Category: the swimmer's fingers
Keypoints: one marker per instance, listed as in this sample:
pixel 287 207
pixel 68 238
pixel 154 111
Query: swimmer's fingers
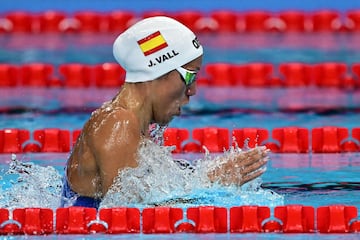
pixel 244 167
pixel 256 166
pixel 253 155
pixel 240 175
pixel 258 151
pixel 252 176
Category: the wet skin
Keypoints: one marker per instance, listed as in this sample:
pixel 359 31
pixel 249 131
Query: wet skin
pixel 110 138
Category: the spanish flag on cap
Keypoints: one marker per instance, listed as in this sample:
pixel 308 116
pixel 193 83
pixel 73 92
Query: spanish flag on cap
pixel 152 43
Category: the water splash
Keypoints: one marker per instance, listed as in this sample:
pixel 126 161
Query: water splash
pixel 156 133
pixel 158 180
pixel 32 185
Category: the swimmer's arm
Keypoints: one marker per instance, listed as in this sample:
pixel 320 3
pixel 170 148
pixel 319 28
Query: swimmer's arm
pixel 244 167
pixel 116 144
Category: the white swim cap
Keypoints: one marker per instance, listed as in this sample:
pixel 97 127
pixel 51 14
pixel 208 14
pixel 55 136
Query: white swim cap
pixel 155 46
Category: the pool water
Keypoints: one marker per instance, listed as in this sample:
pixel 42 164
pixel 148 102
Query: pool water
pixel 309 179
pixel 236 48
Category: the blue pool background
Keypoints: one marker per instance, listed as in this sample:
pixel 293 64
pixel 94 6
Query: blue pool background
pixel 141 5
pixel 233 107
pixel 310 179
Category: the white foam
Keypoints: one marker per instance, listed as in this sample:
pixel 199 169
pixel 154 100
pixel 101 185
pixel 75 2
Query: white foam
pixel 158 180
pixel 34 186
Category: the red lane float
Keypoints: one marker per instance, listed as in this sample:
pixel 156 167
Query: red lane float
pixel 19 22
pixel 160 220
pixel 41 140
pixel 258 74
pixel 337 219
pixel 353 20
pixel 212 138
pixel 249 137
pixel 89 22
pixel 218 21
pixel 255 74
pixel 292 139
pixel 80 220
pixel 53 140
pixel 75 74
pixel 36 74
pixel 335 139
pixel 9 74
pixel 219 74
pixel 284 140
pixel 201 219
pixel 326 21
pixel 295 74
pixel 287 74
pixel 256 21
pixel 175 137
pixel 11 140
pixel 121 220
pixel 120 20
pixel 77 220
pixel 246 219
pixel 225 21
pixel 31 221
pixel 51 21
pixel 292 21
pixel 208 219
pixel 109 75
pixel 49 140
pixel 330 74
pixel 296 218
pixel 192 19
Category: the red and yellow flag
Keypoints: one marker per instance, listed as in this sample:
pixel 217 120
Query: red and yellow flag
pixel 152 43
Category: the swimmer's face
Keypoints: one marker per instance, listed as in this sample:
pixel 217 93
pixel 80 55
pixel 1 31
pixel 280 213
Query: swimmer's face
pixel 173 94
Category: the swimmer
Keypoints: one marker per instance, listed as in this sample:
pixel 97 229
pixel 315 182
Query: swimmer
pixel 161 58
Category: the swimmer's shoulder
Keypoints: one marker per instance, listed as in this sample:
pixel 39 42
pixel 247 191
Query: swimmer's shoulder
pixel 103 121
pixel 108 113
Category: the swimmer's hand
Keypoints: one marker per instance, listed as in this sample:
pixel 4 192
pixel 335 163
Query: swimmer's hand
pixel 241 168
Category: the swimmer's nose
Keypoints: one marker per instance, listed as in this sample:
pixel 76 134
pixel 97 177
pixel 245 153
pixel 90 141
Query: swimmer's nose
pixel 191 90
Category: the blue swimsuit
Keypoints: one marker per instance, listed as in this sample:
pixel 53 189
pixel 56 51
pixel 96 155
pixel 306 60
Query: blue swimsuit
pixel 71 198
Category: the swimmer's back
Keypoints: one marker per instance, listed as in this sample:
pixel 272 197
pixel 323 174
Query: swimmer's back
pixel 82 167
pixel 103 147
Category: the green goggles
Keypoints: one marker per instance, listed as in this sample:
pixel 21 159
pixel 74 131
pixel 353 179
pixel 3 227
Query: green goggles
pixel 187 76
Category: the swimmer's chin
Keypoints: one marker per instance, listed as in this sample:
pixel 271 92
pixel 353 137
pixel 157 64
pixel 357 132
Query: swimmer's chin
pixel 178 114
pixel 170 118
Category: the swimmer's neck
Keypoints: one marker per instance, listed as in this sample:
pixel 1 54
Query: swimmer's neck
pixel 135 97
